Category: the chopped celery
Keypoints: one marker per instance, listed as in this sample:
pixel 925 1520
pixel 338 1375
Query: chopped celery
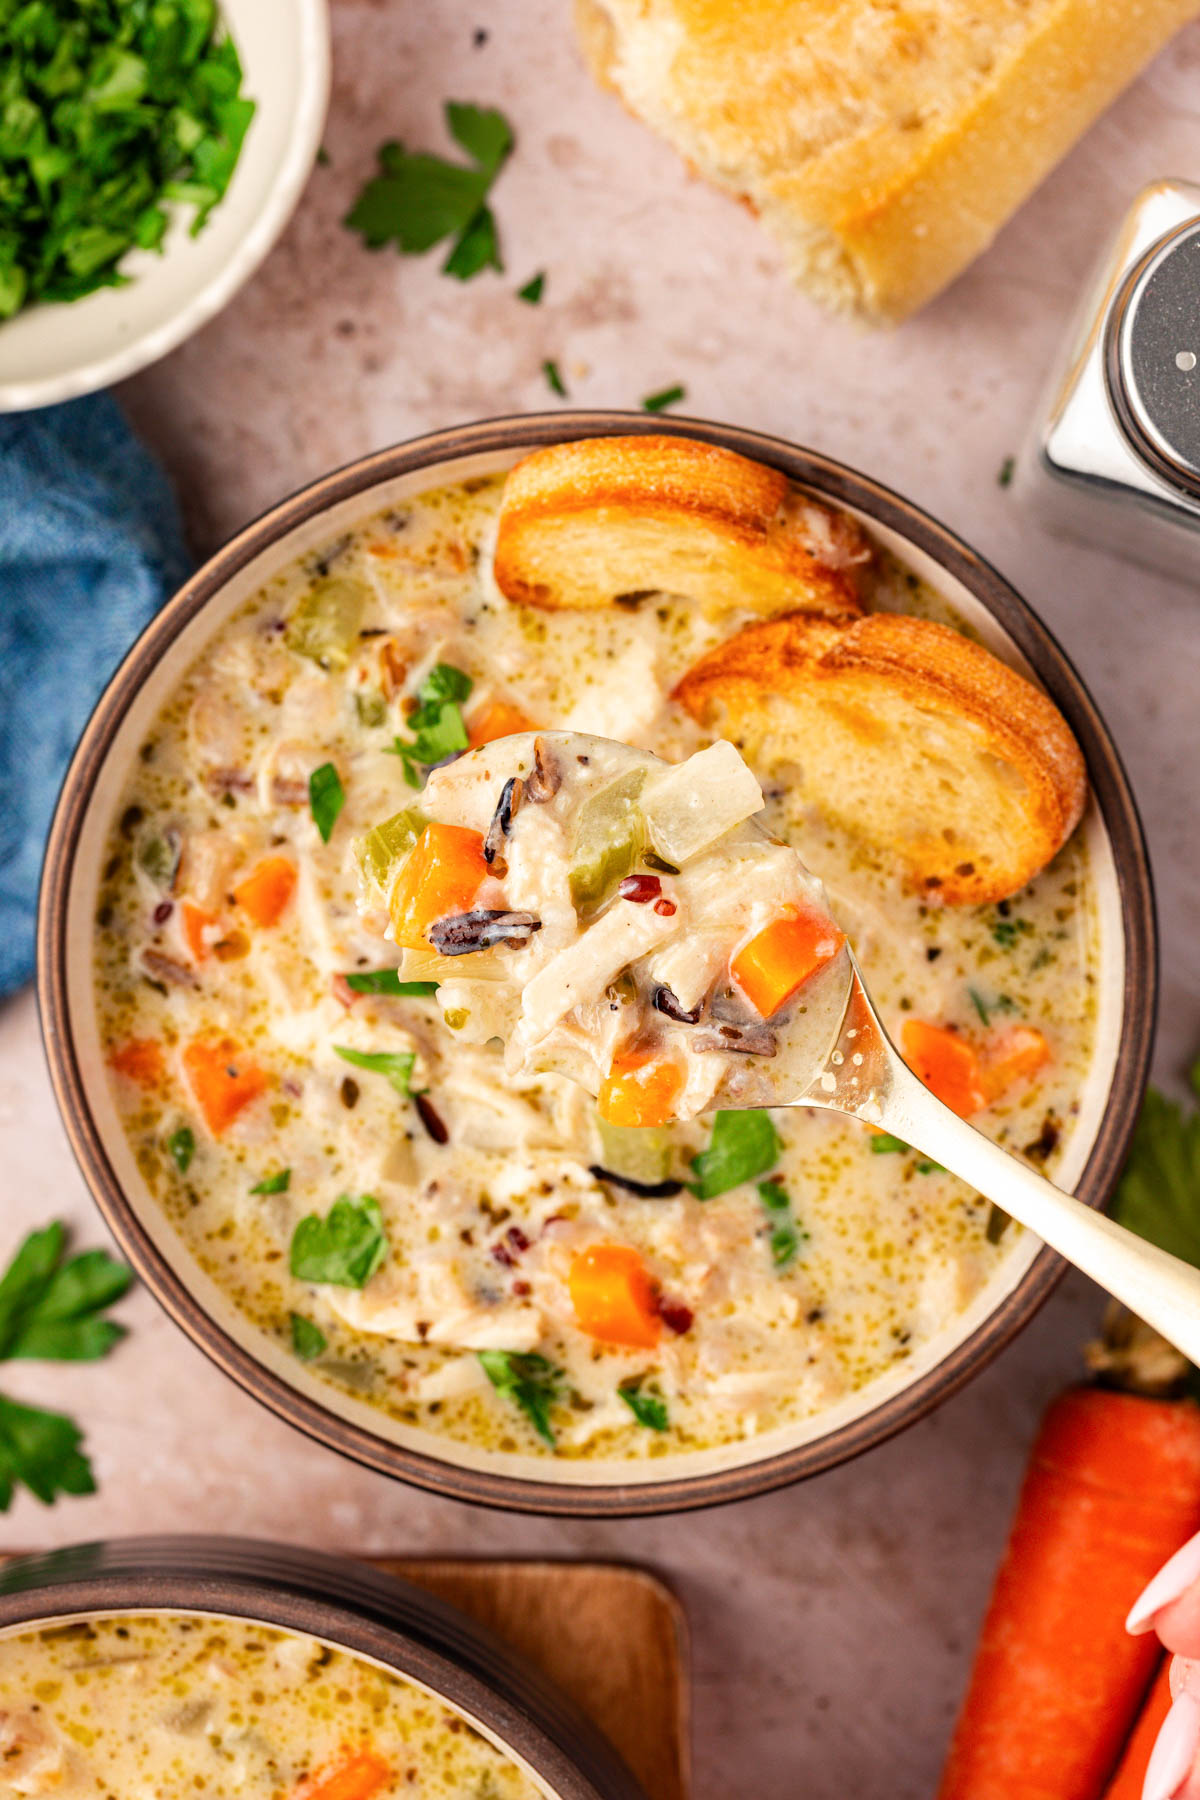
pixel 326 623
pixel 379 850
pixel 158 857
pixel 639 1152
pixel 610 833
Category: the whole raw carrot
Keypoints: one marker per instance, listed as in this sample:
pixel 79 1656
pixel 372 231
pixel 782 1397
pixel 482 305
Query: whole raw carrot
pixel 1113 1488
pixel 1126 1784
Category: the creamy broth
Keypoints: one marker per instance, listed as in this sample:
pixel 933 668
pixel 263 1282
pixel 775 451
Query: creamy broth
pixel 167 1704
pixel 487 1185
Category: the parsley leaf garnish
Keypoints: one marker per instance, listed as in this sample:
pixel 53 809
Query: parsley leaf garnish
pixel 743 1144
pixel 787 1236
pixel 326 798
pixel 345 1247
pixel 387 981
pixel 1006 931
pixel 182 1147
pixel 528 1380
pixel 649 1410
pixel 308 1340
pixel 1158 1195
pixel 436 722
pixel 531 293
pixel 49 1309
pixel 274 1184
pixel 554 380
pixel 671 396
pixel 418 199
pixel 107 111
pixel 884 1144
pixel 397 1065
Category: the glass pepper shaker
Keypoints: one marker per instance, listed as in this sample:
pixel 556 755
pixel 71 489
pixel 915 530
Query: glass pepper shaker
pixel 1115 454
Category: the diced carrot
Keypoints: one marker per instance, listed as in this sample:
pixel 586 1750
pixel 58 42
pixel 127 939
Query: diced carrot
pixel 222 1081
pixel 498 720
pixel 442 875
pixel 947 1063
pixel 640 1089
pixel 1130 1775
pixel 783 955
pixel 1013 1056
pixel 196 921
pixel 267 889
pixel 614 1297
pixel 1113 1488
pixel 141 1059
pixel 357 1775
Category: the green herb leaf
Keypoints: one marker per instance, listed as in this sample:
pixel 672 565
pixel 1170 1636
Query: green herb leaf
pixel 418 200
pixel 387 981
pixel 106 111
pixel 326 798
pixel 884 1144
pixel 554 380
pixel 528 1380
pixel 278 1183
pixel 182 1147
pixel 1005 932
pixel 649 1410
pixel 49 1307
pixel 743 1145
pixel 787 1236
pixel 308 1340
pixel 1008 469
pixel 1158 1195
pixel 42 1451
pixel 345 1248
pixel 436 722
pixel 532 292
pixel 671 396
pixel 397 1065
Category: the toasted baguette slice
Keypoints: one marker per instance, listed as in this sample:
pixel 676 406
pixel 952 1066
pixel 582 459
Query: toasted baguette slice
pixel 586 524
pixel 909 735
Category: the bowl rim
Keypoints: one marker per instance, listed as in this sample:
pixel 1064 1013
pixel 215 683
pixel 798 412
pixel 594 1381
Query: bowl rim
pixel 1110 787
pixel 308 106
pixel 360 1608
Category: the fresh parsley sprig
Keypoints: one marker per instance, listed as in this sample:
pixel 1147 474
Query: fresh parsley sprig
pixel 418 200
pixel 396 1065
pixel 436 722
pixel 743 1145
pixel 50 1307
pixel 647 1408
pixel 345 1248
pixel 529 1381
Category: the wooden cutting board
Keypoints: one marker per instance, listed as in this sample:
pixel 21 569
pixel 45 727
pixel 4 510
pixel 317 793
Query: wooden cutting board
pixel 613 1637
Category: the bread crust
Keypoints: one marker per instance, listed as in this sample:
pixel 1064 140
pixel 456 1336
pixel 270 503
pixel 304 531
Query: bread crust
pixel 918 739
pixel 584 524
pixel 883 146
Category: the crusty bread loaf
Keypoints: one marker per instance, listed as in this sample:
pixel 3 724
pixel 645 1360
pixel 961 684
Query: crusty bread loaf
pixel 909 735
pixel 883 144
pixel 587 523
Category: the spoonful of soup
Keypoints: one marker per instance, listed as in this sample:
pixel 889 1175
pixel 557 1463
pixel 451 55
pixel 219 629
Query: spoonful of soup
pixel 629 923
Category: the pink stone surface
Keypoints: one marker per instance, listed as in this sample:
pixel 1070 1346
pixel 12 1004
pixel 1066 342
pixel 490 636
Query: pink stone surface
pixel 833 1623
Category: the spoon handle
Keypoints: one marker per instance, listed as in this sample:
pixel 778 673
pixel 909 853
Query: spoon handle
pixel 1157 1287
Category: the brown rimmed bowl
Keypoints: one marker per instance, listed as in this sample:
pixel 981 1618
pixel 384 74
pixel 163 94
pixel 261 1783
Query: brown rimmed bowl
pixel 1094 1151
pixel 348 1605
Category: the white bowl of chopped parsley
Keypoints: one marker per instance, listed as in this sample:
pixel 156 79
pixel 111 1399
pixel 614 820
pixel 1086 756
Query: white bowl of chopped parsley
pixel 151 152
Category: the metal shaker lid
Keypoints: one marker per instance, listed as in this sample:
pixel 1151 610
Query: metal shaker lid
pixel 1153 356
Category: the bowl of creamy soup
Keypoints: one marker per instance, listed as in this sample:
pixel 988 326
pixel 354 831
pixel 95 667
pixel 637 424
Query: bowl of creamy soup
pixel 308 1136
pixel 228 1667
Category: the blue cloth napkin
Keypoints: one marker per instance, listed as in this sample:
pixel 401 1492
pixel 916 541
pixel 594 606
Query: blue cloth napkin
pixel 90 546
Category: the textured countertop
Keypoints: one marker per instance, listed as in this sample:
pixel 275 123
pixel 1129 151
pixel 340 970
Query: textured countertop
pixel 833 1622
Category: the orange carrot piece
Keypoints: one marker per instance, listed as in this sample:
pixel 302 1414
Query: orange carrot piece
pixel 640 1089
pixel 442 875
pixel 784 954
pixel 222 1082
pixel 498 720
pixel 267 889
pixel 196 921
pixel 141 1060
pixel 614 1297
pixel 1113 1488
pixel 357 1775
pixel 947 1063
pixel 1130 1774
pixel 1013 1056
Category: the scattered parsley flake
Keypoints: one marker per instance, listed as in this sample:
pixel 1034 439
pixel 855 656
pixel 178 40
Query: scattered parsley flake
pixel 533 290
pixel 278 1183
pixel 387 981
pixel 649 1410
pixel 671 396
pixel 396 1065
pixel 528 1380
pixel 182 1147
pixel 554 380
pixel 884 1144
pixel 308 1340
pixel 326 798
pixel 743 1145
pixel 1008 469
